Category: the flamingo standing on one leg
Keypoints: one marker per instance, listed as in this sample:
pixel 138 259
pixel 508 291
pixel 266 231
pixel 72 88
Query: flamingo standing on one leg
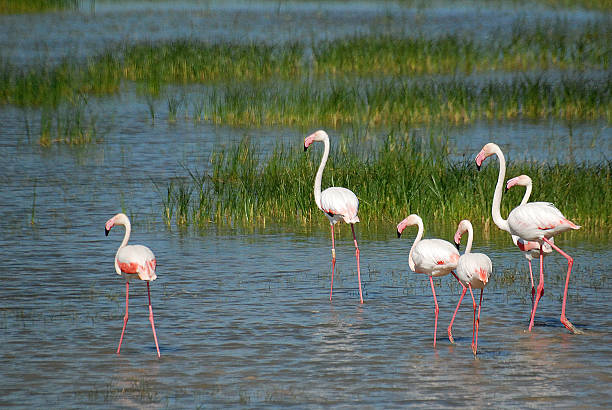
pixel 533 221
pixel 337 203
pixel 531 249
pixel 433 257
pixel 132 261
pixel 473 270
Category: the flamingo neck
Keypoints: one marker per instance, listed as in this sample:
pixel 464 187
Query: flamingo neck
pixel 495 207
pixel 414 244
pixel 468 247
pixel 319 176
pixel 126 237
pixel 527 194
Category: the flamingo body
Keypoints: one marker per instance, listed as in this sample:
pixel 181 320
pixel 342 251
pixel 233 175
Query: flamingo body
pixel 434 257
pixel 340 204
pixel 131 261
pixel 536 220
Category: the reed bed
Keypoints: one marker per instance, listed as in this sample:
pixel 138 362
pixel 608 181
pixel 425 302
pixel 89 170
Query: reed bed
pixel 406 102
pixel 404 174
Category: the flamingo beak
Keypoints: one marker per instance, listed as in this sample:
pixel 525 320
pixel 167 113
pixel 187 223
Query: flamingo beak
pixel 399 234
pixel 458 245
pixel 106 231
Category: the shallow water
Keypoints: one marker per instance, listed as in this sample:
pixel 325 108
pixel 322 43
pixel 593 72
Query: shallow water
pixel 243 318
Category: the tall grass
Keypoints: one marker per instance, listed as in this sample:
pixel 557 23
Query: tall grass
pixel 402 175
pixel 35 6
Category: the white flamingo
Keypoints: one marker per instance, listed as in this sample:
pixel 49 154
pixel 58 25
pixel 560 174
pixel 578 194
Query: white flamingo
pixel 473 270
pixel 433 257
pixel 531 249
pixel 533 221
pixel 337 203
pixel 133 261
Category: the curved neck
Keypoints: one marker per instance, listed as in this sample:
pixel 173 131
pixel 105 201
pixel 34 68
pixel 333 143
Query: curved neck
pixel 468 247
pixel 126 237
pixel 416 241
pixel 527 194
pixel 319 176
pixel 495 207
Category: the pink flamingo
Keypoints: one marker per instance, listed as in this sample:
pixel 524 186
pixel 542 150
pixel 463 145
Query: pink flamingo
pixel 132 261
pixel 433 257
pixel 531 249
pixel 337 203
pixel 533 221
pixel 473 270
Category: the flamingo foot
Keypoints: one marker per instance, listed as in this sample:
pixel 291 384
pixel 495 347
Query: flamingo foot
pixel 570 326
pixel 474 349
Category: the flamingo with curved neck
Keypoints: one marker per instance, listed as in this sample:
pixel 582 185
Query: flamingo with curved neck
pixel 433 257
pixel 337 203
pixel 533 221
pixel 473 271
pixel 133 261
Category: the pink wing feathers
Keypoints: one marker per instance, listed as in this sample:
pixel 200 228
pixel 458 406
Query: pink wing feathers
pixel 536 220
pixel 436 256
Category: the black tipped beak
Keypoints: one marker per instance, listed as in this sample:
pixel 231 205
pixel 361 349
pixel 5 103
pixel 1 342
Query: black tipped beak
pixel 478 167
pixel 106 231
pixel 458 245
pixel 305 148
pixel 399 234
pixel 505 190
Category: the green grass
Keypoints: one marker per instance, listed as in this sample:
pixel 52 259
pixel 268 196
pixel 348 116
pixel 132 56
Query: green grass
pixel 35 6
pixel 391 179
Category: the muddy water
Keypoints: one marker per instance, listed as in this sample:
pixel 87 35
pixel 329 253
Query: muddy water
pixel 243 318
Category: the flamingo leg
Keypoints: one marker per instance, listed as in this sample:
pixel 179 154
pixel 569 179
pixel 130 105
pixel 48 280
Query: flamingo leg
pixel 570 263
pixel 450 326
pixel 540 289
pixel 474 322
pixel 151 320
pixel 532 284
pixel 333 262
pixel 436 310
pixel 358 269
pixel 478 323
pixel 125 318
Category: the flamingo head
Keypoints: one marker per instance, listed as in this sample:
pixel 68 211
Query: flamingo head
pixel 522 180
pixel 486 151
pixel 316 136
pixel 119 219
pixel 409 221
pixel 461 229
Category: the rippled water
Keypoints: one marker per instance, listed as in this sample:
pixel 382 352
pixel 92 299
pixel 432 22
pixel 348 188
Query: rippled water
pixel 243 318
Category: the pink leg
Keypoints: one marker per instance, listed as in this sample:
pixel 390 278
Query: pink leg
pixel 333 262
pixel 570 263
pixel 436 303
pixel 474 323
pixel 125 318
pixel 540 289
pixel 151 320
pixel 358 269
pixel 477 324
pixel 450 327
pixel 532 284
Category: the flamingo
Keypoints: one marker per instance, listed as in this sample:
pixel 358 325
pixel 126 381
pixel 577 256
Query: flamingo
pixel 533 221
pixel 473 270
pixel 133 261
pixel 531 249
pixel 433 257
pixel 337 203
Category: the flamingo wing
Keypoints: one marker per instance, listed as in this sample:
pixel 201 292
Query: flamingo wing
pixel 137 259
pixel 536 220
pixel 340 202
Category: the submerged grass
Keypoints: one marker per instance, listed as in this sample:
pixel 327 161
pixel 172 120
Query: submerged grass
pixel 391 179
